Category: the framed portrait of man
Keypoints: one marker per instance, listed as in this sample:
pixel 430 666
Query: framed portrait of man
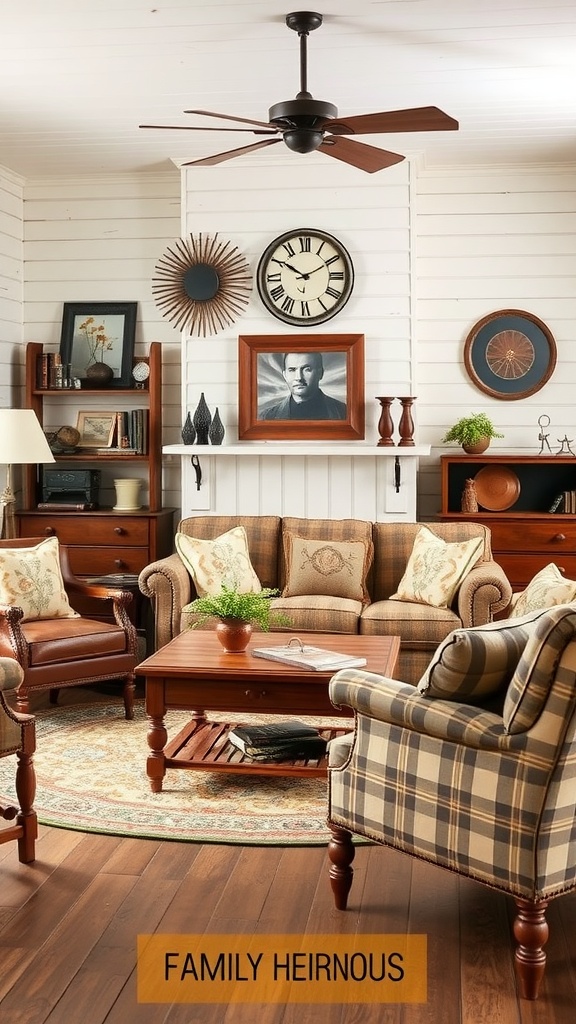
pixel 307 387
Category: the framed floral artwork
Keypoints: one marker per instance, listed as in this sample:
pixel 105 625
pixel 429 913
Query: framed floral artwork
pixel 99 332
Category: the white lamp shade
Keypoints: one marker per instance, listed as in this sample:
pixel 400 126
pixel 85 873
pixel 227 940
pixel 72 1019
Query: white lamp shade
pixel 22 439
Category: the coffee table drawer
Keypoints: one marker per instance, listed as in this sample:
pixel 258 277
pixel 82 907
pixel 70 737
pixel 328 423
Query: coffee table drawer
pixel 292 698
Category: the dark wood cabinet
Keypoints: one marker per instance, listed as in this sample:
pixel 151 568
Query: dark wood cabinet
pixel 526 536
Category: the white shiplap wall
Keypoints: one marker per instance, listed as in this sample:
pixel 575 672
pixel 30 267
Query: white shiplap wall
pixel 489 240
pixel 249 205
pixel 11 265
pixel 99 239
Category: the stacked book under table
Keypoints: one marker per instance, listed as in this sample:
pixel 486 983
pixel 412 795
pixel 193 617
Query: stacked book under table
pixel 278 741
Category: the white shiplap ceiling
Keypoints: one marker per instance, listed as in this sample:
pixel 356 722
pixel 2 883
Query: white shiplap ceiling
pixel 77 77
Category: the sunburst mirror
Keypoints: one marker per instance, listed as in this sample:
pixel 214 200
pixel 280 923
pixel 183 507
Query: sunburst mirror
pixel 201 284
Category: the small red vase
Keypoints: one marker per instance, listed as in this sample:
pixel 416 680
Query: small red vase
pixel 234 635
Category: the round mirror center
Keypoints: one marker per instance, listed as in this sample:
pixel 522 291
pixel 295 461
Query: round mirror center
pixel 201 282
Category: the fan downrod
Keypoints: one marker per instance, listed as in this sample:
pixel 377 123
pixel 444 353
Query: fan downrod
pixel 302 120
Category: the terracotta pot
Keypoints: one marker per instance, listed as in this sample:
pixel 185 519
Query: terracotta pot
pixel 478 448
pixel 234 635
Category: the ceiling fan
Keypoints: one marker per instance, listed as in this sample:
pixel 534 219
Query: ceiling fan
pixel 305 124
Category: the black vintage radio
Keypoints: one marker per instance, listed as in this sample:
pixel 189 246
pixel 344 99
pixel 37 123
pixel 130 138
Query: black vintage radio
pixel 71 486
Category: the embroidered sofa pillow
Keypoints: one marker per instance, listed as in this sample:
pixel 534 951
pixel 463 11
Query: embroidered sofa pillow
pixel 436 568
pixel 545 590
pixel 326 567
pixel 30 578
pixel 224 560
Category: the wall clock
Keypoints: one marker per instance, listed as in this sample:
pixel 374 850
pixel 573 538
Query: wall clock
pixel 202 284
pixel 305 277
pixel 510 354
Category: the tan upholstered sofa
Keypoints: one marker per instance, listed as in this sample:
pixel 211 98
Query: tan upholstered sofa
pixel 484 591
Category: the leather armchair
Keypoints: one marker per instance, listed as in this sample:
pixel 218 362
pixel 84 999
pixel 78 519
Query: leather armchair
pixel 487 793
pixel 18 738
pixel 61 652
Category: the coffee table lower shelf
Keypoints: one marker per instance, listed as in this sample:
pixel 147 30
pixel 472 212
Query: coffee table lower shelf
pixel 204 746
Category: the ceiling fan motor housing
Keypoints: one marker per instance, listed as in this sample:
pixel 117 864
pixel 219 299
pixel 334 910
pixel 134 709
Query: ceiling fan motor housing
pixel 302 121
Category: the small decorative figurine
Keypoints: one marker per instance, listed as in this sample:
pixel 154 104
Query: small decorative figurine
pixel 469 501
pixel 565 450
pixel 544 421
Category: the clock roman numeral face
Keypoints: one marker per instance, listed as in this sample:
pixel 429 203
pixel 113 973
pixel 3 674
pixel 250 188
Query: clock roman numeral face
pixel 305 277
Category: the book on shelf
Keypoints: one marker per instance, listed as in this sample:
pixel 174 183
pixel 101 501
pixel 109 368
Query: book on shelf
pixel 115 579
pixel 67 506
pixel 558 503
pixel 243 736
pixel 304 749
pixel 305 656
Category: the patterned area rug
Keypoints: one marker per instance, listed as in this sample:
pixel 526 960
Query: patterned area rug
pixel 91 777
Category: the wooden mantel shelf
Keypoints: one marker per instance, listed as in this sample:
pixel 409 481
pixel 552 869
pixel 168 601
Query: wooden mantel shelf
pixel 282 448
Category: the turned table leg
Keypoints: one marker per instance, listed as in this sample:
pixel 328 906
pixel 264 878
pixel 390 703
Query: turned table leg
pixel 156 762
pixel 531 933
pixel 341 853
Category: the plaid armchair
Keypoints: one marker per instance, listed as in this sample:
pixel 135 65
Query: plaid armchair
pixel 473 770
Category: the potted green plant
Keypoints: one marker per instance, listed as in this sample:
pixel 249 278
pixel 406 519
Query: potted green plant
pixel 237 613
pixel 473 433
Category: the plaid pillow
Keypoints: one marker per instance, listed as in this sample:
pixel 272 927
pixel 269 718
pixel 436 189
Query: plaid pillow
pixel 471 664
pixel 534 675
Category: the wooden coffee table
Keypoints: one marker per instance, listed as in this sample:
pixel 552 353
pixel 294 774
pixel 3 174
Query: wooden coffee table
pixel 193 673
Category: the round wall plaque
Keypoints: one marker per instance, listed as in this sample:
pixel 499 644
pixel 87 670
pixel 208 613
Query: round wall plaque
pixel 510 354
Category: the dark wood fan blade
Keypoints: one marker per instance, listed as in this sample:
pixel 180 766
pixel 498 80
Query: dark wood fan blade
pixel 229 117
pixel 196 128
pixel 417 119
pixel 366 158
pixel 219 158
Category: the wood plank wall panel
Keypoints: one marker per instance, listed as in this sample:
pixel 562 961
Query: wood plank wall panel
pixel 11 262
pixel 99 239
pixel 487 240
pixel 249 204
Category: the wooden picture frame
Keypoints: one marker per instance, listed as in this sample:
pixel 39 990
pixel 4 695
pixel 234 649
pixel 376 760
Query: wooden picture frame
pixel 268 406
pixel 96 429
pixel 510 354
pixel 81 340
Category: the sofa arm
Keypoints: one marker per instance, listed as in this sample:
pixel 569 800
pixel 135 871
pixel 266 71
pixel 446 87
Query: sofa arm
pixel 168 585
pixel 485 591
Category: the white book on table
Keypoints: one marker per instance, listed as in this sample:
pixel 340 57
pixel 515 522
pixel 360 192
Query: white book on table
pixel 316 658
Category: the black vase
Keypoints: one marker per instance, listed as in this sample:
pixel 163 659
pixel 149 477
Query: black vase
pixel 202 419
pixel 188 431
pixel 216 431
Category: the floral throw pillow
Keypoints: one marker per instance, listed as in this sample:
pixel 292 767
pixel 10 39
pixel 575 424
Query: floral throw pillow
pixel 436 568
pixel 224 560
pixel 545 590
pixel 30 578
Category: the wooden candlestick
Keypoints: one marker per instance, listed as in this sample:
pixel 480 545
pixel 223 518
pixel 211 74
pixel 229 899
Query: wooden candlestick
pixel 385 423
pixel 406 425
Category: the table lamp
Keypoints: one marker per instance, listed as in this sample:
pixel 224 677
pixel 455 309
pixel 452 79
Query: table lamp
pixel 22 441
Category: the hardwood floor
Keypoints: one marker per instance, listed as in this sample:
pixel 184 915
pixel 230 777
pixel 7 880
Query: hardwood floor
pixel 69 922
